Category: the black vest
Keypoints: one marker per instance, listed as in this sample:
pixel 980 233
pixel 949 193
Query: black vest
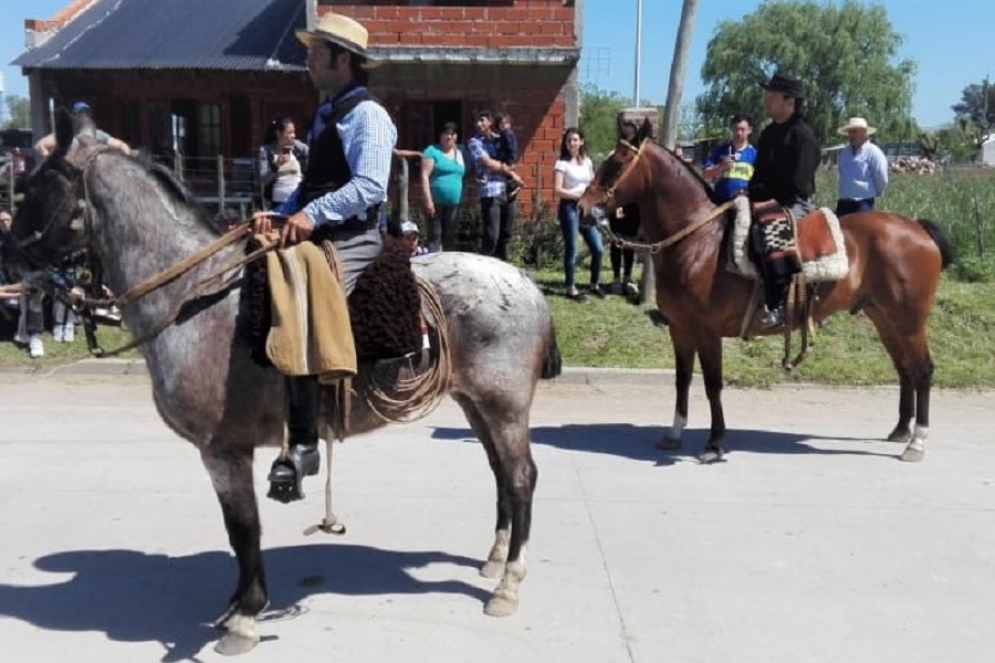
pixel 327 168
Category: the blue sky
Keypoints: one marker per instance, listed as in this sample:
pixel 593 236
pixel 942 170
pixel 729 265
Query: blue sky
pixel 947 43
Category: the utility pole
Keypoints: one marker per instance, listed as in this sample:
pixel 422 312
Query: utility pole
pixel 636 94
pixel 671 114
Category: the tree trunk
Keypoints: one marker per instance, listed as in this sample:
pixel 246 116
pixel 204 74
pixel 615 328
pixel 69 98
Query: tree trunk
pixel 671 115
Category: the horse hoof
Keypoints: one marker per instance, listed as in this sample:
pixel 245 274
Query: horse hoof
pixel 492 570
pixel 233 644
pixel 900 434
pixel 711 455
pixel 912 455
pixel 669 444
pixel 500 606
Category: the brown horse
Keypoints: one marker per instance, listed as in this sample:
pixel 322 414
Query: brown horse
pixel 895 265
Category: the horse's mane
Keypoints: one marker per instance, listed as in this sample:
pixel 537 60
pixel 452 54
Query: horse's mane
pixel 177 189
pixel 694 173
pixel 168 180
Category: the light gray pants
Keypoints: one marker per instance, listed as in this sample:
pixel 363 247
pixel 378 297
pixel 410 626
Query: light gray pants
pixel 356 250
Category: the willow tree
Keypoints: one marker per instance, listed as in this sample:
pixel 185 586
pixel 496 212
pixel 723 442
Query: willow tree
pixel 847 56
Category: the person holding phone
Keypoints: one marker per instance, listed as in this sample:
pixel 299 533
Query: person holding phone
pixel 282 160
pixel 730 165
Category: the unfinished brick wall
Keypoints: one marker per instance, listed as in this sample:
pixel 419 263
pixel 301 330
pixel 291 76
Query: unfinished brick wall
pixel 499 24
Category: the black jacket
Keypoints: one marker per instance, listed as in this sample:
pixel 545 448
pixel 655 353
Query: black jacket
pixel 787 157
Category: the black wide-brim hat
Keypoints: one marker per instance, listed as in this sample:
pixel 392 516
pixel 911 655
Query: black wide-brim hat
pixel 786 85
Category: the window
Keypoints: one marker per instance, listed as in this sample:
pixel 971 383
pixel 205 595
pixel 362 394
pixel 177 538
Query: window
pixel 209 130
pixel 421 122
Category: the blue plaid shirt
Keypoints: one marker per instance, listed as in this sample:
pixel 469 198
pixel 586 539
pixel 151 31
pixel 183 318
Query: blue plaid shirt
pixel 489 183
pixel 368 138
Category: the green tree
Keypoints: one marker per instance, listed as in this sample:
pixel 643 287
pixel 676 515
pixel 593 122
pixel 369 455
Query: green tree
pixel 845 54
pixel 598 119
pixel 18 112
pixel 977 108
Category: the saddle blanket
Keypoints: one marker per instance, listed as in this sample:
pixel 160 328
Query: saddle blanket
pixel 819 242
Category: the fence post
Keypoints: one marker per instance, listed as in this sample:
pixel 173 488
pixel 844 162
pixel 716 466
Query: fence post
pixel 221 183
pixel 979 227
pixel 403 211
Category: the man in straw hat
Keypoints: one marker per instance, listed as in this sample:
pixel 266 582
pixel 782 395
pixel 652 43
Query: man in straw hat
pixel 787 158
pixel 863 169
pixel 351 143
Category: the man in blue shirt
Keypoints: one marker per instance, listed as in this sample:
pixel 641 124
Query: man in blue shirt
pixel 351 145
pixel 863 169
pixel 497 209
pixel 730 165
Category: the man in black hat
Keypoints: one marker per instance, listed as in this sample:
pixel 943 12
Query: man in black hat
pixel 787 158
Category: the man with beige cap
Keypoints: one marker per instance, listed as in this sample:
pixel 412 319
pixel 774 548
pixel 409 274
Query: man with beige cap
pixel 351 143
pixel 863 169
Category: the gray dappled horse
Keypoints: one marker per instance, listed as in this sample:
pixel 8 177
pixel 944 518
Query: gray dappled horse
pixel 140 221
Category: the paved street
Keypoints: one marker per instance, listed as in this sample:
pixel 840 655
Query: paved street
pixel 812 543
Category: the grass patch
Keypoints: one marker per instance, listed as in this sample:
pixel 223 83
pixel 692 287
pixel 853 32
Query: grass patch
pixel 59 354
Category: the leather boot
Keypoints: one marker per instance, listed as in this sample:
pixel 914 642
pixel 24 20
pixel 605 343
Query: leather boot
pixel 303 458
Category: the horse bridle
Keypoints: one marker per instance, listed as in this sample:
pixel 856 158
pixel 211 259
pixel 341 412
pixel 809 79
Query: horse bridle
pixel 609 196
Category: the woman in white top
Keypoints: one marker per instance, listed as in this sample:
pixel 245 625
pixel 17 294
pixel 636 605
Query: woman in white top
pixel 282 161
pixel 572 173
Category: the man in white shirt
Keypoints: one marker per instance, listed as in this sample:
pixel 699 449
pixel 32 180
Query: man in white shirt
pixel 863 169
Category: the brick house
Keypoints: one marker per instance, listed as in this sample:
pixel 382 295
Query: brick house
pixel 202 79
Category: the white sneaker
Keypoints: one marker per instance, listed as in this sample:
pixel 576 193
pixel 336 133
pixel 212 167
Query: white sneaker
pixel 58 333
pixel 69 333
pixel 21 339
pixel 35 347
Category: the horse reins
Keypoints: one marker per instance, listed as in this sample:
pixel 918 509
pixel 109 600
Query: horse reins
pixel 87 304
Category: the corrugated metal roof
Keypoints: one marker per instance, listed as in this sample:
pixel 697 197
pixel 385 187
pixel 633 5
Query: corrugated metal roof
pixel 252 35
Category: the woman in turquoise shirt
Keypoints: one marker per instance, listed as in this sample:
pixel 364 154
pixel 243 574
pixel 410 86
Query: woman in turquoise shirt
pixel 442 171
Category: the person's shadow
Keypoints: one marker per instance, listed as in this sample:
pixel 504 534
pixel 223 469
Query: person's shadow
pixel 639 442
pixel 133 596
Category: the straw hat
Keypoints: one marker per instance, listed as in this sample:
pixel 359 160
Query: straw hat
pixel 341 30
pixel 856 123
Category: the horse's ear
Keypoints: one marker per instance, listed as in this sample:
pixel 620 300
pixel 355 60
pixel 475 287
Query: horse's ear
pixel 618 125
pixel 63 129
pixel 645 131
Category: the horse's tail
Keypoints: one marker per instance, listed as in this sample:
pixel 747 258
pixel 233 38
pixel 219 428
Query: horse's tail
pixel 552 362
pixel 936 232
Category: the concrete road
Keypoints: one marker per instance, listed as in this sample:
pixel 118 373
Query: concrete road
pixel 812 543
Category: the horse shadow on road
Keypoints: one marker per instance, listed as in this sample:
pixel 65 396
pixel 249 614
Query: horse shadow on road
pixel 639 442
pixel 134 596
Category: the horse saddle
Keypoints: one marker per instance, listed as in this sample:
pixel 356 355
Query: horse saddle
pixel 766 231
pixel 380 319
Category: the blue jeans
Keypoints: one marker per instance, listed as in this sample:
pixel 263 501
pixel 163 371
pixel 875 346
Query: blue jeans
pixel 570 226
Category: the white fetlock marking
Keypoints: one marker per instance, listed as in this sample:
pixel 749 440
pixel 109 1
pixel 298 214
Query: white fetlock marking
pixel 920 433
pixel 499 551
pixel 677 429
